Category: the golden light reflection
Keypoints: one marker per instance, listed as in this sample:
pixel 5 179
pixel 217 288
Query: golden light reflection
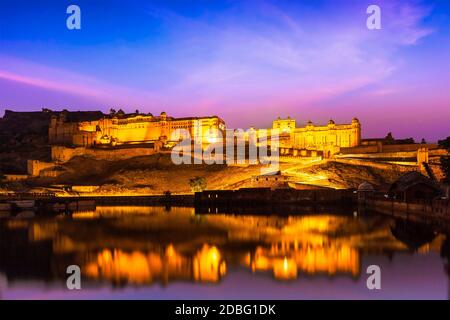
pixel 139 268
pixel 114 211
pixel 17 224
pixel 330 260
pixel 304 244
pixel 285 269
pixel 208 265
pixel 133 267
pixel 119 265
pixel 142 245
pixel 84 215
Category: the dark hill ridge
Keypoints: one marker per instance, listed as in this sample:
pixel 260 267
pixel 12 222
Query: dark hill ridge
pixel 24 135
pixel 45 115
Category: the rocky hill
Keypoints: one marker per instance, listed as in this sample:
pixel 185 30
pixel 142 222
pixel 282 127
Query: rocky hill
pixel 157 174
pixel 24 135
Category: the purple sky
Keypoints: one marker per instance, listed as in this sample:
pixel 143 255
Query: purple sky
pixel 247 62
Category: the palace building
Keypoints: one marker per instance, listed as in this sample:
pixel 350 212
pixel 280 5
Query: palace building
pixel 327 139
pixel 332 134
pixel 121 129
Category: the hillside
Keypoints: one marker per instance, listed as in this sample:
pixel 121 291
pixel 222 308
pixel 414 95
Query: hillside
pixel 24 135
pixel 157 174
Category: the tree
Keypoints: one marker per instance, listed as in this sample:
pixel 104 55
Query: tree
pixel 445 160
pixel 389 137
pixel 2 178
pixel 445 166
pixel 197 184
pixel 445 143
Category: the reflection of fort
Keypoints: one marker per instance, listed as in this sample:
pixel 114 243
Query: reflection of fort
pixel 146 245
pixel 287 261
pixel 145 267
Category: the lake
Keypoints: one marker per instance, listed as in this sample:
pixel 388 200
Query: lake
pixel 174 253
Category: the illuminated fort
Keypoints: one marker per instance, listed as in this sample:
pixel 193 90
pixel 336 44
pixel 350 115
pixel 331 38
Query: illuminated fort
pixel 327 138
pixel 119 135
pixel 119 128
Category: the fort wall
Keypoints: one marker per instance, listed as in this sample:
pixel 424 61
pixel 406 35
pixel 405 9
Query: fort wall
pixel 16 177
pixel 386 148
pixel 251 196
pixel 34 167
pixel 381 155
pixel 418 211
pixel 64 154
pixel 361 149
pixel 378 165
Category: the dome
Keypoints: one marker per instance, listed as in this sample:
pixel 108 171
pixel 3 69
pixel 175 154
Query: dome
pixel 331 122
pixel 365 186
pixel 355 120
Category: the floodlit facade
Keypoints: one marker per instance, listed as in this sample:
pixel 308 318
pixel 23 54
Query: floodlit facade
pixel 327 139
pixel 120 129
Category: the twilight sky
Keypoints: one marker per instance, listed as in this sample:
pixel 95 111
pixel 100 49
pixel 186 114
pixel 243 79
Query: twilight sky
pixel 246 61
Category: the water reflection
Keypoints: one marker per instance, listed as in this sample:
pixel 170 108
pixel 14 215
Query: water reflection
pixel 140 246
pixel 137 267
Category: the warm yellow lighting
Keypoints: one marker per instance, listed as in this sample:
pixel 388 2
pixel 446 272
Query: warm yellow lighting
pixel 84 215
pixel 208 265
pixel 285 269
pixel 170 251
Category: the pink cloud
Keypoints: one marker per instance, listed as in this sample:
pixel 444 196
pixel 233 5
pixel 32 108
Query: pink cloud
pixel 55 79
pixel 48 84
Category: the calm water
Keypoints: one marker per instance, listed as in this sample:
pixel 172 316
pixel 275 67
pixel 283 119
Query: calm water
pixel 152 253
